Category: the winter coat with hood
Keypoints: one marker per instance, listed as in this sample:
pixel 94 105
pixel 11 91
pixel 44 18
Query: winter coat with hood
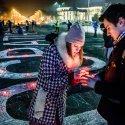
pixel 55 67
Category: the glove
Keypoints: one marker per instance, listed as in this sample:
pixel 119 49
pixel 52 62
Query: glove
pixel 92 81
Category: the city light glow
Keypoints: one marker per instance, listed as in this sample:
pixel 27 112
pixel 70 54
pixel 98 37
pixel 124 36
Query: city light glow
pixel 16 17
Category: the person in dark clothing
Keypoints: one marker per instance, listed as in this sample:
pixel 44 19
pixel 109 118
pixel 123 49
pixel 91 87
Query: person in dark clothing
pixel 108 42
pixel 10 26
pixel 33 26
pixel 27 25
pixel 51 37
pixel 69 24
pixel 57 25
pixel 1 29
pixel 95 26
pixel 20 30
pixel 3 23
pixel 111 82
pixel 1 34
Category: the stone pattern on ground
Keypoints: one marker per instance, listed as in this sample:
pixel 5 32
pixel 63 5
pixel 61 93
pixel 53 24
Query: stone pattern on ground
pixel 86 118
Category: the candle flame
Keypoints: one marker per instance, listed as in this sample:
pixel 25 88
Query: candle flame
pixel 5 93
pixel 31 86
pixel 2 71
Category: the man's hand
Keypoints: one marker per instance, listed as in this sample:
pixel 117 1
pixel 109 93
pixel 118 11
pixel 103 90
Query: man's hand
pixel 90 80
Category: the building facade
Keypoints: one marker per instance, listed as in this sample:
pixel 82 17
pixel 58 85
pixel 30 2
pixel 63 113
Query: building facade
pixel 78 14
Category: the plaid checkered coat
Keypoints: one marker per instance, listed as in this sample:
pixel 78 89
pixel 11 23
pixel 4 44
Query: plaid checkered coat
pixel 53 79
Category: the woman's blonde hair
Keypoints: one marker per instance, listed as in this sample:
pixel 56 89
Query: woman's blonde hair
pixel 69 51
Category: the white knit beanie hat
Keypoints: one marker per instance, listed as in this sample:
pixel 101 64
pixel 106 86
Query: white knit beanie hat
pixel 76 34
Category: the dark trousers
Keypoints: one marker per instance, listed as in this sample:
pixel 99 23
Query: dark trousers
pixel 10 29
pixel 116 123
pixel 33 123
pixel 57 121
pixel 95 33
pixel 27 28
pixel 1 43
pixel 57 29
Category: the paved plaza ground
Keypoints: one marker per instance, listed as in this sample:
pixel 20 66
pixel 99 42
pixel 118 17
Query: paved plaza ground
pixel 19 64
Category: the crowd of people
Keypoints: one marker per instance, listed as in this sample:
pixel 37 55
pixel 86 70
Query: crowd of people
pixel 20 27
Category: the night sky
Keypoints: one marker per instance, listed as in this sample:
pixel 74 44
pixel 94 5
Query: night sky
pixel 28 7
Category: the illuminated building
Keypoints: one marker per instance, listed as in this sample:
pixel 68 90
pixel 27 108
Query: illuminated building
pixel 78 14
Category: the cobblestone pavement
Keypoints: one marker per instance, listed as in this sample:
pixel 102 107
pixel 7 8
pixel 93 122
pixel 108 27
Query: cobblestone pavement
pixel 86 118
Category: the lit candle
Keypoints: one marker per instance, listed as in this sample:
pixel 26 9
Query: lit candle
pixel 31 85
pixel 5 93
pixel 2 71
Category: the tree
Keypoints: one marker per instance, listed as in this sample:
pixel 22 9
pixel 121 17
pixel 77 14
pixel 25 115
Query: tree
pixel 95 17
pixel 105 7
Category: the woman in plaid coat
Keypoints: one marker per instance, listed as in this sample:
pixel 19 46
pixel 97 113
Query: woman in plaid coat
pixel 57 64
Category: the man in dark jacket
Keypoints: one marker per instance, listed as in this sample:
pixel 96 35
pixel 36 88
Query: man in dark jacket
pixel 111 82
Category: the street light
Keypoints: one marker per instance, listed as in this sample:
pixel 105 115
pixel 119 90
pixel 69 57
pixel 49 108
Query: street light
pixel 63 4
pixel 57 5
pixel 88 10
pixel 88 13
